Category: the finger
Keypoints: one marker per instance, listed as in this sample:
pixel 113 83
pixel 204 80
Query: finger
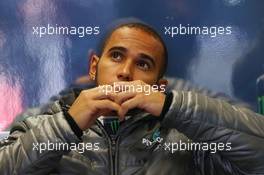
pixel 124 96
pixel 110 95
pixel 107 105
pixel 129 104
pixel 120 87
pixel 126 85
pixel 98 93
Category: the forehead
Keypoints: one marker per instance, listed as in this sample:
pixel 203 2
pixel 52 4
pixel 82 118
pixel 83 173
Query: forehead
pixel 135 40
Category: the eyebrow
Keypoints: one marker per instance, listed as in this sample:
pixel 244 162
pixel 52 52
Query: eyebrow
pixel 141 55
pixel 147 57
pixel 123 49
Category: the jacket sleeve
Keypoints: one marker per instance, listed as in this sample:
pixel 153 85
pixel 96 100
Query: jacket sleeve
pixel 209 120
pixel 179 84
pixel 32 146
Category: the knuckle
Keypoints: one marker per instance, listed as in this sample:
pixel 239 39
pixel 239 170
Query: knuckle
pixel 82 93
pixel 138 82
pixel 124 107
pixel 141 96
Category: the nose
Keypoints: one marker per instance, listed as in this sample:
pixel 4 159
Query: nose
pixel 125 71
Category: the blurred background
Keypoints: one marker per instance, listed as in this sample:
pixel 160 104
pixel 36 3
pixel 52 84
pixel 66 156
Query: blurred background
pixel 34 68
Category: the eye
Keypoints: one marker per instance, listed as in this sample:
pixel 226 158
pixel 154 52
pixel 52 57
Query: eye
pixel 116 56
pixel 143 65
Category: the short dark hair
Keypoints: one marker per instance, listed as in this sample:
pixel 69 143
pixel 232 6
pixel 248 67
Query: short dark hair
pixel 134 23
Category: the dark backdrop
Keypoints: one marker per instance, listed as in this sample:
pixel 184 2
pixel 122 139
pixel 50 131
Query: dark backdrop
pixel 32 69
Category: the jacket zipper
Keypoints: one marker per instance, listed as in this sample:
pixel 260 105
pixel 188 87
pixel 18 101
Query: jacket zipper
pixel 113 147
pixel 113 153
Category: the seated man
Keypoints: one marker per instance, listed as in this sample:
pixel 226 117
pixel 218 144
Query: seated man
pixel 126 124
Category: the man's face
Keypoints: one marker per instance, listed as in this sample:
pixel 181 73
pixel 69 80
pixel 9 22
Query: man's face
pixel 130 54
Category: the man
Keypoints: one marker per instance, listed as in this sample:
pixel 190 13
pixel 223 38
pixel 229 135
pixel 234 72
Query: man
pixel 116 130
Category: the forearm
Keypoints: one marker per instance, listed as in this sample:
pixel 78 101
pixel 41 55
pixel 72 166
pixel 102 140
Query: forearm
pixel 205 119
pixel 22 153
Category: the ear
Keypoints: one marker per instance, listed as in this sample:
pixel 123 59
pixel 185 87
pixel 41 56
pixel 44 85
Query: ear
pixel 162 82
pixel 94 59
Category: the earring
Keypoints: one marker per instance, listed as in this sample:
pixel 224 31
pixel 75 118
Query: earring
pixel 92 76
